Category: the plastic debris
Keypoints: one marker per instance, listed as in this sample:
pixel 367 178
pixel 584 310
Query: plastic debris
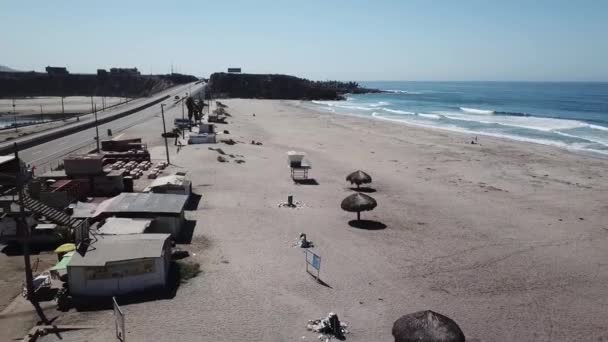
pixel 329 327
pixel 303 242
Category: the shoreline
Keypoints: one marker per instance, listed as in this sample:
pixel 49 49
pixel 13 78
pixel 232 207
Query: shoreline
pixel 310 105
pixel 494 236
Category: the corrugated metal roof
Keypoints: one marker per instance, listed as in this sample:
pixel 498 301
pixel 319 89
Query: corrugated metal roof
pixel 84 209
pixel 113 248
pixel 124 226
pixel 172 180
pixel 145 203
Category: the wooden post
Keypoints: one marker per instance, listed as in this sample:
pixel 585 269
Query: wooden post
pixel 96 127
pixel 162 111
pixel 25 233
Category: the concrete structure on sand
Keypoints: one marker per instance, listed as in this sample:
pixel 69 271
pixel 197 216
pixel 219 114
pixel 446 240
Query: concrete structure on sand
pixel 165 210
pixel 118 265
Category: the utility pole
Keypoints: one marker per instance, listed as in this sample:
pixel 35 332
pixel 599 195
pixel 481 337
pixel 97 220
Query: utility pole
pixel 183 117
pixel 14 114
pixel 96 128
pixel 62 109
pixel 25 233
pixel 162 111
pixel 92 109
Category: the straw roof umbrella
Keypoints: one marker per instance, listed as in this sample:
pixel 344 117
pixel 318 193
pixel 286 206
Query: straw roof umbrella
pixel 427 326
pixel 359 177
pixel 358 202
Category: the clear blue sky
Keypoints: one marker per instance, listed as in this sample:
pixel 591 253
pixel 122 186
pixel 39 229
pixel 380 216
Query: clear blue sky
pixel 326 39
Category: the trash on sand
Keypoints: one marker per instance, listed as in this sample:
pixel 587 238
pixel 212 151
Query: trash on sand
pixel 222 159
pixel 302 242
pixel 218 150
pixel 328 327
pixel 253 142
pixel 239 161
pixel 294 204
pixel 229 141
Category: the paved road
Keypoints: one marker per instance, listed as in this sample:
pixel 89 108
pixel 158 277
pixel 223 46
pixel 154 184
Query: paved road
pixel 42 155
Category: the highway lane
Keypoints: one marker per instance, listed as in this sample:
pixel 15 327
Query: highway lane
pixel 88 118
pixel 42 155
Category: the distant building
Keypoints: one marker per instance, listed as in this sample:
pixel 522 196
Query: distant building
pixel 55 71
pixel 124 72
pixel 234 70
pixel 9 166
pixel 102 73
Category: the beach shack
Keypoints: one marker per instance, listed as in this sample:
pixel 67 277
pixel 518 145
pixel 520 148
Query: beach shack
pixel 165 210
pixel 124 226
pixel 120 264
pixel 172 184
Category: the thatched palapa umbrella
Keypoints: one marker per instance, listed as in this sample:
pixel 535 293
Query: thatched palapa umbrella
pixel 357 203
pixel 359 177
pixel 427 326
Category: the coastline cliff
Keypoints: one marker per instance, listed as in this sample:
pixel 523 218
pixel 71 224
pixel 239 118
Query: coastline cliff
pixel 276 86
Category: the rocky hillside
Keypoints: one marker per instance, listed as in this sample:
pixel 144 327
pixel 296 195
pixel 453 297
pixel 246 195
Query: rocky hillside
pixel 274 86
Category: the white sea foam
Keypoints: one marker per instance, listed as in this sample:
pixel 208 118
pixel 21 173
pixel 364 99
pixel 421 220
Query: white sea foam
pixel 574 146
pixel 396 111
pixel 430 116
pixel 535 123
pixel 593 139
pixel 476 111
pixel 395 91
pixel 380 104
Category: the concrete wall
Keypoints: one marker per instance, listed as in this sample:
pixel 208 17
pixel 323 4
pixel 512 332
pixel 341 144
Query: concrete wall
pixel 167 224
pixel 81 285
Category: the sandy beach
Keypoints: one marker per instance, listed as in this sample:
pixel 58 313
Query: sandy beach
pixel 507 238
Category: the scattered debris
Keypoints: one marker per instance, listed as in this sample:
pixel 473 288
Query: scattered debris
pixel 218 150
pixel 239 161
pixel 253 142
pixel 222 159
pixel 231 155
pixel 293 204
pixel 226 131
pixel 328 327
pixel 229 141
pixel 302 242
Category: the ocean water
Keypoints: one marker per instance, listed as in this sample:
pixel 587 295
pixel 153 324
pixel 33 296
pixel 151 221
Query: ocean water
pixel 570 115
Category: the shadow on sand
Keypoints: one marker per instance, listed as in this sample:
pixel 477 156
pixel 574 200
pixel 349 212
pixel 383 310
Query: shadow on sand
pixel 367 224
pixel 308 181
pixel 15 249
pixel 320 281
pixel 193 202
pixel 365 189
pixel 185 235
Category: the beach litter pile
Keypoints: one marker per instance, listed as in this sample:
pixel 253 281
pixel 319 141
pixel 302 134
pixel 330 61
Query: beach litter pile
pixel 328 328
pixel 291 204
pixel 303 242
